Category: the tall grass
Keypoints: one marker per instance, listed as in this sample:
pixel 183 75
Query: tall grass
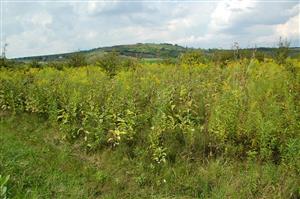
pixel 166 113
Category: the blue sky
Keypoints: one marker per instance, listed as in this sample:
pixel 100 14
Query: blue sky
pixel 47 27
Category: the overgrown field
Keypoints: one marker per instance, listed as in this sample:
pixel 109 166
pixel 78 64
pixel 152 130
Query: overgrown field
pixel 186 130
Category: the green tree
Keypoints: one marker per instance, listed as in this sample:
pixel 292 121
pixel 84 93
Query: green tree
pixel 283 51
pixel 77 60
pixel 3 60
pixel 110 63
pixel 34 64
pixel 222 56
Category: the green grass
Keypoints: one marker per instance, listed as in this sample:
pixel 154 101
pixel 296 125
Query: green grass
pixel 38 167
pixel 42 166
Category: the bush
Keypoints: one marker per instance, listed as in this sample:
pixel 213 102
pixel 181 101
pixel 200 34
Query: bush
pixel 3 63
pixel 59 65
pixel 282 52
pixel 34 64
pixel 76 60
pixel 193 58
pixel 7 63
pixel 223 56
pixel 110 63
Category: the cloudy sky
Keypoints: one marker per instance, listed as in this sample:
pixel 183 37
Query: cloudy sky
pixel 47 27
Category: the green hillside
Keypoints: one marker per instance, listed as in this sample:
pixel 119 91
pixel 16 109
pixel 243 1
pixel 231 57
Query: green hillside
pixel 148 50
pixel 152 51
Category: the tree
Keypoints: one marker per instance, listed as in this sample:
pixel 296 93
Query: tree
pixel 283 51
pixel 110 63
pixel 35 64
pixel 222 56
pixel 76 60
pixel 236 50
pixel 3 60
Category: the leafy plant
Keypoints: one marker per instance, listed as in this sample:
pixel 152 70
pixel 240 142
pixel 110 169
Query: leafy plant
pixel 3 186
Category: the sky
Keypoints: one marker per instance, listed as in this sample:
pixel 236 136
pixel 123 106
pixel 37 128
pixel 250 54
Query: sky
pixel 48 27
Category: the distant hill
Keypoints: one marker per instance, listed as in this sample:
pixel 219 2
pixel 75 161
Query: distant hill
pixel 145 50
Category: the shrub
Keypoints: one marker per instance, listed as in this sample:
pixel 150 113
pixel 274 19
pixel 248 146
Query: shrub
pixel 282 52
pixel 76 60
pixel 110 63
pixel 222 56
pixel 193 58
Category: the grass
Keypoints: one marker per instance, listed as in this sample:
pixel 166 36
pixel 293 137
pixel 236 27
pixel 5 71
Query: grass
pixel 38 167
pixel 42 166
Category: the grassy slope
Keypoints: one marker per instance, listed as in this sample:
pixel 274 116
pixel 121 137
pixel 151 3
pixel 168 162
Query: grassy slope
pixel 42 167
pixel 148 50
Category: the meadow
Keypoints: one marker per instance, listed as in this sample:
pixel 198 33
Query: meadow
pixel 195 128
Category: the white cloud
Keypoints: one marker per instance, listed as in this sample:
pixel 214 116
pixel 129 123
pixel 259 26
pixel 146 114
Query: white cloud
pixel 40 19
pixel 42 28
pixel 228 11
pixel 290 29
